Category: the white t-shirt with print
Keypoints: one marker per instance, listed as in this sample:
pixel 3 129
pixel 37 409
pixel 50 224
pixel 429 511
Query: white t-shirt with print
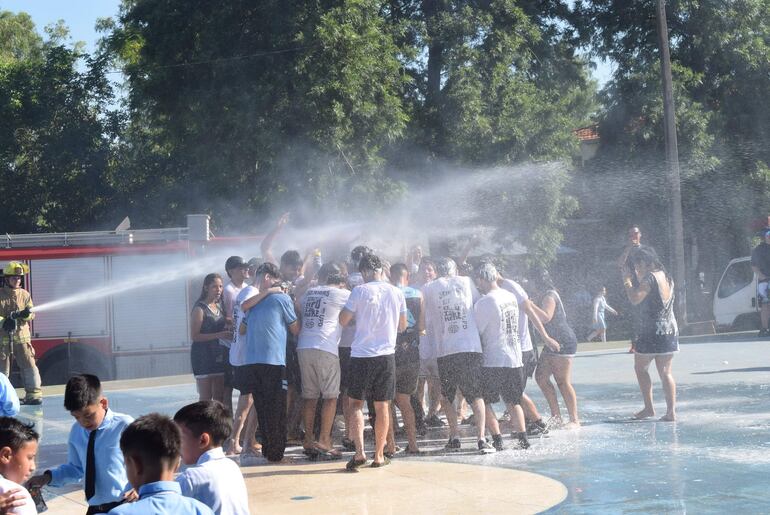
pixel 497 317
pixel 449 319
pixel 320 308
pixel 377 307
pixel 521 297
pixel 238 347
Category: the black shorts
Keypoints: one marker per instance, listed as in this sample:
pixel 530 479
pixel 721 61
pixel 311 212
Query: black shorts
pixel 344 355
pixel 207 358
pixel 507 383
pixel 372 378
pixel 228 368
pixel 463 371
pixel 407 369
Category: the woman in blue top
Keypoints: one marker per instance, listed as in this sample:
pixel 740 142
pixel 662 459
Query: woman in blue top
pixel 658 337
pixel 556 361
pixel 599 323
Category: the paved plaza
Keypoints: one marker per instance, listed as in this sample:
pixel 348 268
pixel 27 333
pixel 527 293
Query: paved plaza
pixel 715 458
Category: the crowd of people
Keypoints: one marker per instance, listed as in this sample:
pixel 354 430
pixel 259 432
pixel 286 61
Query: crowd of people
pixel 310 345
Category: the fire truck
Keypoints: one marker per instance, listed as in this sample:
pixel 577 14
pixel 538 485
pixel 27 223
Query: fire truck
pixel 139 329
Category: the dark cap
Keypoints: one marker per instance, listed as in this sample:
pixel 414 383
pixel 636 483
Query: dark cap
pixel 234 262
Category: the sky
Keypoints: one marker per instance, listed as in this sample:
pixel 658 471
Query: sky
pixel 80 16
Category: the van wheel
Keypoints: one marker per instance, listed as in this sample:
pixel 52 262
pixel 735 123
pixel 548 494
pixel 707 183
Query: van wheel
pixel 746 322
pixel 56 367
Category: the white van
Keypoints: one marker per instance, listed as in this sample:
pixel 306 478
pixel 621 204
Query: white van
pixel 735 302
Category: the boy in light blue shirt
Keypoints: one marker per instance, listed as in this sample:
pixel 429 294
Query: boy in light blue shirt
pixel 151 447
pixel 212 478
pixel 9 400
pixel 93 455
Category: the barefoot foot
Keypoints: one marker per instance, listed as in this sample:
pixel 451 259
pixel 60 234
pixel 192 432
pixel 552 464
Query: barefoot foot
pixel 668 417
pixel 645 413
pixel 572 425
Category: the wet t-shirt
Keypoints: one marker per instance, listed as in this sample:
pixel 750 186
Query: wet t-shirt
pixel 521 297
pixel 319 312
pixel 449 319
pixel 497 317
pixel 238 347
pixel 377 307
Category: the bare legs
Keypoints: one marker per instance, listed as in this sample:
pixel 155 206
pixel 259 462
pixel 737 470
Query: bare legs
pixel 382 419
pixel 211 387
pixel 663 364
pixel 404 404
pixel 561 369
pixel 328 410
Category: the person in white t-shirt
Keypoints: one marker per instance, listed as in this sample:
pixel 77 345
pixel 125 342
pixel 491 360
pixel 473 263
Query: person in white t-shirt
pixel 535 423
pixel 238 272
pixel 497 317
pixel 380 312
pixel 317 349
pixel 451 326
pixel 244 414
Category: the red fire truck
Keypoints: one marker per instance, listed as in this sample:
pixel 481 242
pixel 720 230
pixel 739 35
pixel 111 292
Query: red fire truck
pixel 131 332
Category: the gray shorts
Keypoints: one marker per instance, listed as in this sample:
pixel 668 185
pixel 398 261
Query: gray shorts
pixel 320 373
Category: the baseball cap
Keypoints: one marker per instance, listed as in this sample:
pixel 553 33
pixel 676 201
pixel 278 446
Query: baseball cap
pixel 234 262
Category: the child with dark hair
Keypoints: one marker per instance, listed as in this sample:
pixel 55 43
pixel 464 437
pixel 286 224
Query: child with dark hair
pixel 212 479
pixel 18 449
pixel 151 447
pixel 93 455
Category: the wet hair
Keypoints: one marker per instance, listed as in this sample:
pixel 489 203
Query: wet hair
pixel 208 281
pixel 269 269
pixel 488 272
pixel 370 262
pixel 153 439
pixel 82 390
pixel 397 271
pixel 206 417
pixel 647 256
pixel 291 258
pixel 15 434
pixel 359 252
pixel 332 273
pixel 465 269
pixel 445 267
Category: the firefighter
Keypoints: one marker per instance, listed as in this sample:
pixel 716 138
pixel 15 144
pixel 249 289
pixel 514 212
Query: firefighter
pixel 15 314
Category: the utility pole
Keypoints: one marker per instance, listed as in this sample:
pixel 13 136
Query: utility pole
pixel 672 165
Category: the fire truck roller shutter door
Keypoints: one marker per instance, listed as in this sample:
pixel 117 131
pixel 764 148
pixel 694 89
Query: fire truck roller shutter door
pixel 55 280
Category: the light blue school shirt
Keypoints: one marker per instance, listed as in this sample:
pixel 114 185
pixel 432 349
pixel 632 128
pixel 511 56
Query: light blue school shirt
pixel 162 498
pixel 111 480
pixel 216 481
pixel 266 332
pixel 9 400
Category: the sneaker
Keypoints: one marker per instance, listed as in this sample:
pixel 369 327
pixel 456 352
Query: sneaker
pixel 453 445
pixel 497 442
pixel 249 459
pixel 521 439
pixel 537 428
pixel 485 448
pixel 434 421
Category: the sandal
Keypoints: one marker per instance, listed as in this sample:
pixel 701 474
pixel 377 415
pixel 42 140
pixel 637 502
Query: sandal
pixel 376 465
pixel 354 464
pixel 410 452
pixel 390 454
pixel 333 454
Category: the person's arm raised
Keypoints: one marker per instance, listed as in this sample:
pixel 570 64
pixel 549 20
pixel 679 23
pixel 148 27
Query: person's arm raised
pixel 266 247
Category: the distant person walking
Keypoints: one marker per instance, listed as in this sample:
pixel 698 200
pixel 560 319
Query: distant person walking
pixel 599 323
pixel 658 337
pixel 760 263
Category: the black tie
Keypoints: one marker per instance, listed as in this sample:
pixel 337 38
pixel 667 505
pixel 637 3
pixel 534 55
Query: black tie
pixel 91 466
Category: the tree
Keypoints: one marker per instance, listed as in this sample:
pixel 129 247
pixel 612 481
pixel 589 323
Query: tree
pixel 54 132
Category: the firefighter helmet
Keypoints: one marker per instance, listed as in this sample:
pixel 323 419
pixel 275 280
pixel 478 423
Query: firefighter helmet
pixel 16 268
